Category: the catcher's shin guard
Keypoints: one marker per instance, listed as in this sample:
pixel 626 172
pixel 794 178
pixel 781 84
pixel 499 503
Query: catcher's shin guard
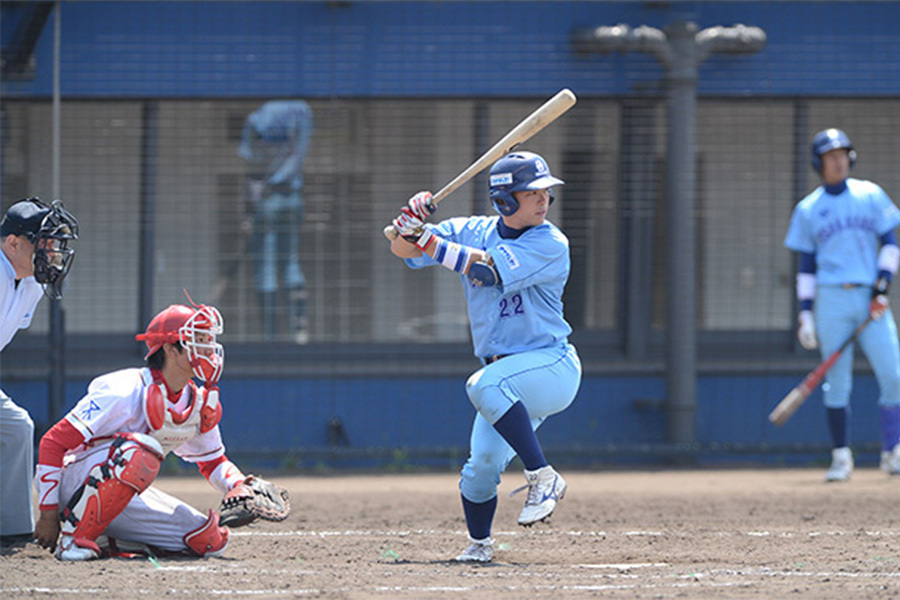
pixel 209 539
pixel 134 461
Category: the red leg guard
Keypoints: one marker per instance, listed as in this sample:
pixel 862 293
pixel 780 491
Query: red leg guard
pixel 209 539
pixel 134 462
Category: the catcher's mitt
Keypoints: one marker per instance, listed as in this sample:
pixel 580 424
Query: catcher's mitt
pixel 254 498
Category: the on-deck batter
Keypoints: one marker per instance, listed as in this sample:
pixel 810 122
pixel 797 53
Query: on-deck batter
pixel 844 233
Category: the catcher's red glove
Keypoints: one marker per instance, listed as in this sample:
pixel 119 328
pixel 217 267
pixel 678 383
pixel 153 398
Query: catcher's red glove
pixel 254 498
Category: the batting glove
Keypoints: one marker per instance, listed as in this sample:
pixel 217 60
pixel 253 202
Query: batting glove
pixel 879 304
pixel 411 228
pixel 421 205
pixel 806 333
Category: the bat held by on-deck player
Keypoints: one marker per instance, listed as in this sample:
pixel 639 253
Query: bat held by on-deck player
pixel 797 396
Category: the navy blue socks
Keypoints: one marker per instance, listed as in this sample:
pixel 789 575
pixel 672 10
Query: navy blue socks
pixel 837 425
pixel 515 427
pixel 479 516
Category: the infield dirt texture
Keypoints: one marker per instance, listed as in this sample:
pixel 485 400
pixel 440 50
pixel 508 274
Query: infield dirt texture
pixel 662 534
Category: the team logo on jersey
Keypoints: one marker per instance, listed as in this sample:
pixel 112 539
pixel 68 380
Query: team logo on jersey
pixel 508 254
pixel 501 179
pixel 88 412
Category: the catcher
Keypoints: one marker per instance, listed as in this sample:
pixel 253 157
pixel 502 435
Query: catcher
pixel 97 464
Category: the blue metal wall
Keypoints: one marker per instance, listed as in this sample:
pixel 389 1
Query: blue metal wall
pixel 389 49
pixel 426 421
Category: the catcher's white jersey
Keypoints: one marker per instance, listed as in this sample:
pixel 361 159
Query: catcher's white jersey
pixel 115 403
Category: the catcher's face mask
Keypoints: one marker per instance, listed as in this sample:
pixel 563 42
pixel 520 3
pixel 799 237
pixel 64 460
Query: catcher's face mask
pixel 198 336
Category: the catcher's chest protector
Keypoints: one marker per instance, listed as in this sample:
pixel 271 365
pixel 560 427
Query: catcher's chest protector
pixel 169 427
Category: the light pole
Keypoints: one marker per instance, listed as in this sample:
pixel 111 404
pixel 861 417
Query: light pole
pixel 680 48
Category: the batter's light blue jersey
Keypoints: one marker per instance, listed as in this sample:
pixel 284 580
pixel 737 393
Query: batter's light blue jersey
pixel 843 231
pixel 524 312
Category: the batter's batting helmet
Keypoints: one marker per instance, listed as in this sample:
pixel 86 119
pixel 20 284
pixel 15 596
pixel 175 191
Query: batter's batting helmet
pixel 517 172
pixel 827 140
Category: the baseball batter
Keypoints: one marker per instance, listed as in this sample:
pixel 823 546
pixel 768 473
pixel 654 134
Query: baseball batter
pixel 96 465
pixel 844 234
pixel 34 260
pixel 513 268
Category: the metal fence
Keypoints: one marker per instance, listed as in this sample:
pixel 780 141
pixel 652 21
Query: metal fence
pixel 153 114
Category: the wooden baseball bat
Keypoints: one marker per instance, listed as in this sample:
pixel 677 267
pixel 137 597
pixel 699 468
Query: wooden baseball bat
pixel 797 396
pixel 526 129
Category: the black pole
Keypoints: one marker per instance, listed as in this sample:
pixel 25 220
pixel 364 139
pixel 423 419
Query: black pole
pixel 57 376
pixel 681 316
pixel 150 121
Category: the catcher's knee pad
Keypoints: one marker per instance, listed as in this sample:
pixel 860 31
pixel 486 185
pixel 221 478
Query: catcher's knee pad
pixel 209 539
pixel 133 463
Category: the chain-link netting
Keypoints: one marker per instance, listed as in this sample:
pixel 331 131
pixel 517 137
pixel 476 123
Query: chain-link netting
pixel 251 153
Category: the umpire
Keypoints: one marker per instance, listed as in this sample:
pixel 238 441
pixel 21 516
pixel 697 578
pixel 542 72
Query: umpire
pixel 34 260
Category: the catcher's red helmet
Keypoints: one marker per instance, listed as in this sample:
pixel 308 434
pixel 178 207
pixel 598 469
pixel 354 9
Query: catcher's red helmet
pixel 182 324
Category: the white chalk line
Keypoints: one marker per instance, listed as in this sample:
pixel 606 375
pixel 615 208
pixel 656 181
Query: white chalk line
pixel 623 566
pixel 603 534
pixel 623 579
pixel 156 593
pixel 655 581
pixel 617 581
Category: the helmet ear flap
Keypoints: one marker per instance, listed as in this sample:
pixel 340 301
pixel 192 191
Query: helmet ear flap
pixel 504 202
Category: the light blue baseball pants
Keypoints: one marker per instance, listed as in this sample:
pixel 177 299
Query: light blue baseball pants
pixel 839 311
pixel 546 382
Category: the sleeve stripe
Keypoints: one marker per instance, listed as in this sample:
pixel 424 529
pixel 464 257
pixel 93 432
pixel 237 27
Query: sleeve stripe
pixel 80 425
pixel 461 261
pixel 440 251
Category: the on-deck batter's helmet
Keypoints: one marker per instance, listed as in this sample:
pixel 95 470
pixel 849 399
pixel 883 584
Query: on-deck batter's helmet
pixel 827 140
pixel 517 172
pixel 49 228
pixel 179 324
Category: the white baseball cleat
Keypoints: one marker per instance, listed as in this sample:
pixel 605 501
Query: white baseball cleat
pixel 77 549
pixel 479 551
pixel 546 487
pixel 841 465
pixel 890 461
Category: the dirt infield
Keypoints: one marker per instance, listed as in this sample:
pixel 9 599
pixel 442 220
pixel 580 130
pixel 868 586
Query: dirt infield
pixel 681 534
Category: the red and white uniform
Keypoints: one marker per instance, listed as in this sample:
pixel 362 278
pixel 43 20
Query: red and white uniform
pixel 137 401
